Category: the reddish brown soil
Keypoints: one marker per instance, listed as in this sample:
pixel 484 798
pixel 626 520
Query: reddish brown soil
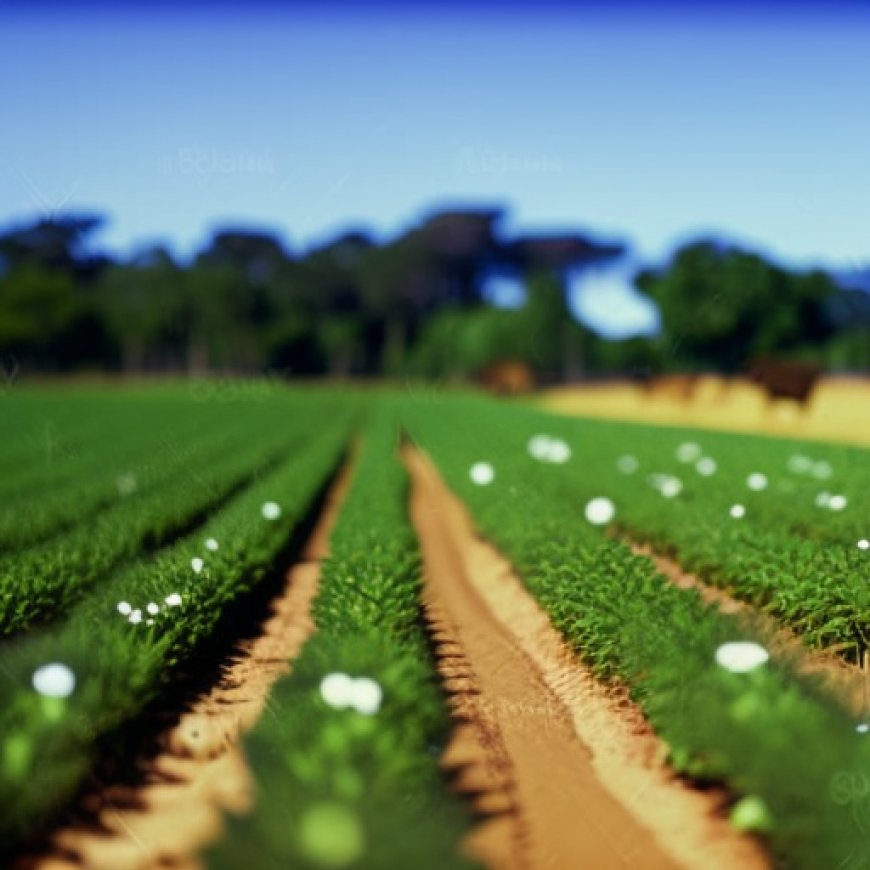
pixel 566 773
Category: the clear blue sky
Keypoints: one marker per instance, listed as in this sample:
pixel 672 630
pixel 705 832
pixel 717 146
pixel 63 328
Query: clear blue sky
pixel 649 122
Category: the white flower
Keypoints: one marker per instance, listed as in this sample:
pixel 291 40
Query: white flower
pixel 688 451
pixel 862 727
pixel 757 481
pixel 126 484
pixel 822 470
pixel 627 464
pixel 864 544
pixel 153 608
pixel 741 656
pixel 271 510
pixel 482 473
pixel 558 452
pixel 737 511
pixel 211 544
pixel 367 695
pixel 706 465
pixel 55 680
pixel 823 499
pixel 173 600
pixel 837 502
pixel 539 446
pixel 197 564
pixel 600 511
pixel 337 690
pixel 125 608
pixel 341 691
pixel 800 464
pixel 671 487
pixel 136 616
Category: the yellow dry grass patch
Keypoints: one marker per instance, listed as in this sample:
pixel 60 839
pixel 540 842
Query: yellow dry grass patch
pixel 839 409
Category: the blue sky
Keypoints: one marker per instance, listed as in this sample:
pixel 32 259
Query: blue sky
pixel 647 122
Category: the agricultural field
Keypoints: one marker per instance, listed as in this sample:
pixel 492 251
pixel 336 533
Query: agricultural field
pixel 327 628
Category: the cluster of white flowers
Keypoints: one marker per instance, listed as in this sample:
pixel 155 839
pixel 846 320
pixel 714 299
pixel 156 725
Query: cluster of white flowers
pixel 134 615
pixel 831 501
pixel 800 464
pixel 667 484
pixel 545 448
pixel 342 691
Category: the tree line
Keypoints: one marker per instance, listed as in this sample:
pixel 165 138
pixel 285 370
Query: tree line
pixel 410 306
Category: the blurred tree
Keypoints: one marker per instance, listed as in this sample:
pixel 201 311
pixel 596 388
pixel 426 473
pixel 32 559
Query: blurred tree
pixel 140 302
pixel 56 244
pixel 721 306
pixel 231 300
pixel 44 322
pixel 399 283
pixel 325 284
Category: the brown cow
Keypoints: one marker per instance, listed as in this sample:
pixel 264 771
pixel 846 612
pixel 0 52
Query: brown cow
pixel 508 377
pixel 785 378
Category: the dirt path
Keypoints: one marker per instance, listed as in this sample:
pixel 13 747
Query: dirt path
pixel 846 681
pixel 201 771
pixel 569 773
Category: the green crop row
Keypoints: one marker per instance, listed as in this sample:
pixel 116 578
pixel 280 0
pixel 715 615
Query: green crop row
pixel 796 763
pixel 50 731
pixel 346 762
pixel 63 440
pixel 786 554
pixel 39 584
pixel 23 524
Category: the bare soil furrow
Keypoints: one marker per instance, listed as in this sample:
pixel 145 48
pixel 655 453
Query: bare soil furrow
pixel 846 681
pixel 572 770
pixel 200 773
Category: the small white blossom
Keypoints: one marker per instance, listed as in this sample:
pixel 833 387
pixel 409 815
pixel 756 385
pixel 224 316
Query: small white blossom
pixel 741 656
pixel 600 511
pixel 271 510
pixel 482 473
pixel 706 466
pixel 757 481
pixel 55 680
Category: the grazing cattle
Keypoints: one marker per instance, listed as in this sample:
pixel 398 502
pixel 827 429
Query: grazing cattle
pixel 507 377
pixel 784 378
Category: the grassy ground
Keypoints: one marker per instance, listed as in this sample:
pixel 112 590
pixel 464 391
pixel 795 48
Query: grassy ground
pixel 839 409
